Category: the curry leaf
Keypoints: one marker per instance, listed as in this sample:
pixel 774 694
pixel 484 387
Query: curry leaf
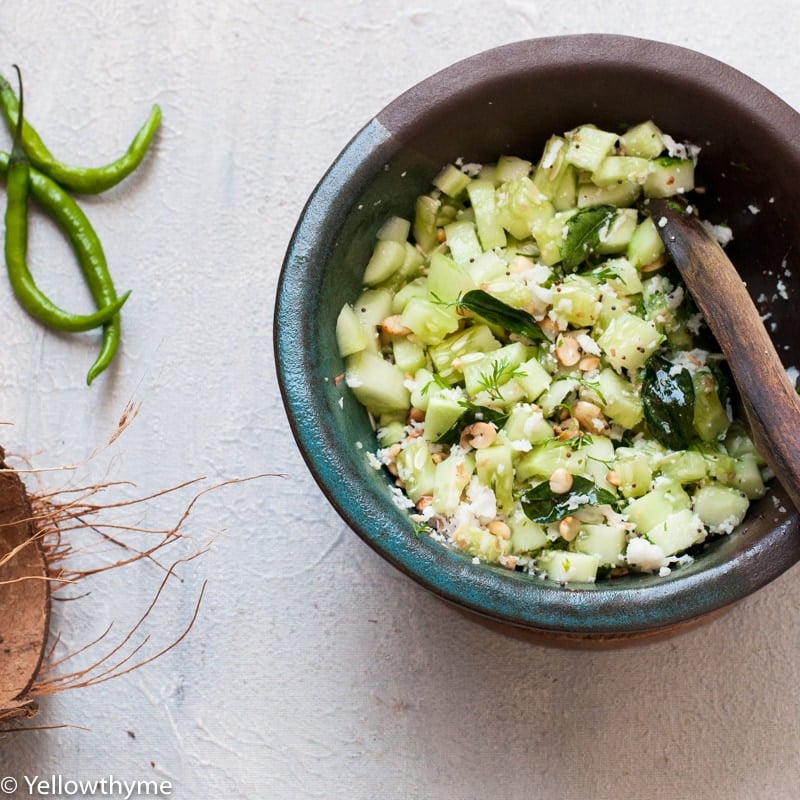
pixel 541 504
pixel 668 402
pixel 496 312
pixel 583 235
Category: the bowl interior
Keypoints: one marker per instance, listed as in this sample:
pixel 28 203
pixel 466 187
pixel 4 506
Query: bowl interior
pixel 510 100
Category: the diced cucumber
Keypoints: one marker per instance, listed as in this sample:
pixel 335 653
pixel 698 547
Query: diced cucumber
pixel 599 453
pixel 747 476
pixel 444 410
pixel 415 468
pixel 556 394
pixel 588 146
pixel 616 235
pixel 526 536
pixel 621 169
pixel 495 368
pixel 621 194
pixel 351 336
pixel 424 225
pixel 606 542
pixel 653 508
pixel 678 532
pixel 478 543
pixel 487 268
pixel 426 386
pixel 549 235
pixel 416 288
pixel 408 356
pixel 521 205
pixel 669 176
pixel 494 467
pixel 620 401
pixel 568 567
pixel 462 239
pixel 546 457
pixel 376 384
pixel 373 306
pixel 684 466
pixel 533 378
pixel 527 423
pixel 391 433
pixel 395 229
pixel 577 301
pixel 710 418
pixel 453 474
pixel 482 196
pixel 451 180
pixel 447 356
pixel 428 320
pixel 721 508
pixel 628 341
pixel 623 277
pixel 644 140
pixel 511 167
pixel 633 470
pixel 646 245
pixel 447 280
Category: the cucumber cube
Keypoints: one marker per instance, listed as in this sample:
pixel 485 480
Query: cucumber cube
pixel 721 508
pixel 653 508
pixel 451 180
pixel 526 536
pixel 462 239
pixel 351 336
pixel 387 257
pixel 444 410
pixel 567 567
pixel 482 196
pixel 428 320
pixel 452 476
pixel 669 176
pixel 588 147
pixel 628 341
pixel 678 532
pixel 495 469
pixel 644 140
pixel 447 280
pixel 416 469
pixel 621 169
pixel 620 401
pixel 376 383
pixel 606 542
pixel 533 378
pixel 646 245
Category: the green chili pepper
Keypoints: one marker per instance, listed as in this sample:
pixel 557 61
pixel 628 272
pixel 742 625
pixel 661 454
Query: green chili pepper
pixel 83 180
pixel 32 299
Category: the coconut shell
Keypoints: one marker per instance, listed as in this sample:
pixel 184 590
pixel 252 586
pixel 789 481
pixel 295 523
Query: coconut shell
pixel 24 598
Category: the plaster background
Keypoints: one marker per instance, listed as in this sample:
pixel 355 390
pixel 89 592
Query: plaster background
pixel 314 669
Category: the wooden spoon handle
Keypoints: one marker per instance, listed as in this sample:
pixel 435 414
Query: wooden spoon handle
pixel 771 402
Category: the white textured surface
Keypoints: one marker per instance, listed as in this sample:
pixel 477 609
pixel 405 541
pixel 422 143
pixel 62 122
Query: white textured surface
pixel 315 670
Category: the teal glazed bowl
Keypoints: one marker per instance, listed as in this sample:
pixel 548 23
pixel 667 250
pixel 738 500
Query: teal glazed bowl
pixel 509 100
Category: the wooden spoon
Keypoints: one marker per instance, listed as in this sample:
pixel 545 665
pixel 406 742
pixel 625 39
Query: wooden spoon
pixel 771 403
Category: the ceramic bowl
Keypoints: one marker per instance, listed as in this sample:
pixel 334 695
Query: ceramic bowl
pixel 509 100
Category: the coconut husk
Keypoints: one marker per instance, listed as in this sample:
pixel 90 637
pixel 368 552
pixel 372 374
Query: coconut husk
pixel 24 598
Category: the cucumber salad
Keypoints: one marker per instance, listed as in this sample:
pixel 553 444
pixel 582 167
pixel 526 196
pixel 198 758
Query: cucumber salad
pixel 544 393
